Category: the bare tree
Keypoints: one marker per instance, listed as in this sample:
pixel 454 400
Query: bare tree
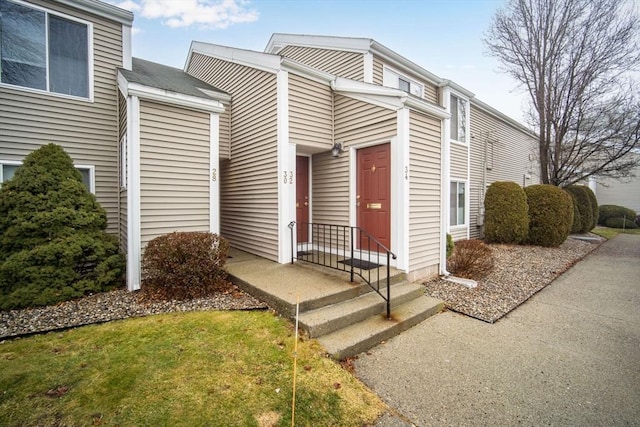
pixel 576 58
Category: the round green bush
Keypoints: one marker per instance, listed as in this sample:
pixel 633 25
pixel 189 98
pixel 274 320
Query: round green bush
pixel 580 193
pixel 620 223
pixel 594 207
pixel 550 215
pixel 577 221
pixel 614 211
pixel 53 245
pixel 183 265
pixel 506 217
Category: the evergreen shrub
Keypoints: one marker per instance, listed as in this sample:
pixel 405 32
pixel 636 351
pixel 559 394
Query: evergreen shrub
pixel 506 217
pixel 577 221
pixel 594 207
pixel 550 215
pixel 183 265
pixel 471 259
pixel 614 211
pixel 580 194
pixel 620 223
pixel 53 244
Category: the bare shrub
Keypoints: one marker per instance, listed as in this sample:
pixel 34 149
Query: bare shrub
pixel 184 265
pixel 471 259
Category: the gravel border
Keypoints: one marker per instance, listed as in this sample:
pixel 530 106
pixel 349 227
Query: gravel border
pixel 114 305
pixel 519 272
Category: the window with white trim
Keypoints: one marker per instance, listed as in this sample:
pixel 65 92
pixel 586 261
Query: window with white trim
pixel 8 169
pixel 123 162
pixel 394 79
pixel 458 121
pixel 457 200
pixel 43 50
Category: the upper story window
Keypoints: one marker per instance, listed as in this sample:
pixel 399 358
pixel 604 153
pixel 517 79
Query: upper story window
pixel 392 78
pixel 458 119
pixel 44 51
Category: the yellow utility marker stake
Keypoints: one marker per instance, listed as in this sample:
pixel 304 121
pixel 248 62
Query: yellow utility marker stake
pixel 295 364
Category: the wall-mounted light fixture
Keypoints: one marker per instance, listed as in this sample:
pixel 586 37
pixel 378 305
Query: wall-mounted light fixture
pixel 336 149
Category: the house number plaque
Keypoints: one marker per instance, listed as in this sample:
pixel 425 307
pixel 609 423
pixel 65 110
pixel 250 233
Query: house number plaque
pixel 214 174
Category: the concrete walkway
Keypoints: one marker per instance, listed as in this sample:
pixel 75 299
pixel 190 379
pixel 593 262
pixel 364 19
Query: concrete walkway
pixel 568 356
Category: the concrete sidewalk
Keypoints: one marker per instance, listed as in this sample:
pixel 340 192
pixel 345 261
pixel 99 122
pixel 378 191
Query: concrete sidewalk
pixel 568 356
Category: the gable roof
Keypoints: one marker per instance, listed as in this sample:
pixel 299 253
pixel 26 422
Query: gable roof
pixel 171 85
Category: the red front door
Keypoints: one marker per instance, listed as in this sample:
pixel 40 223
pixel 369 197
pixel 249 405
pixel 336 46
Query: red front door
pixel 302 198
pixel 374 192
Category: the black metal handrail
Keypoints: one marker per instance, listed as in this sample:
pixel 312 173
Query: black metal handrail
pixel 336 246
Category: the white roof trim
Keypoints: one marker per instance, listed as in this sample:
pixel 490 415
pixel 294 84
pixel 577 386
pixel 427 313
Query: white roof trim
pixel 99 8
pixel 279 40
pixel 403 63
pixel 262 61
pixel 457 88
pixel 166 97
pixel 386 97
pixel 304 70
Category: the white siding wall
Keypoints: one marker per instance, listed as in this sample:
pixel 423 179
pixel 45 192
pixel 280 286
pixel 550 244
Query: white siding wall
pixel 174 170
pixel 88 131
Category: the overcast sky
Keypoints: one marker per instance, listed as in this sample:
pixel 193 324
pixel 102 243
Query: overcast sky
pixel 442 36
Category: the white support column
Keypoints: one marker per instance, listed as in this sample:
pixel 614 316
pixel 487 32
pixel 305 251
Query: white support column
pixel 400 195
pixel 214 171
pixel 134 240
pixel 286 170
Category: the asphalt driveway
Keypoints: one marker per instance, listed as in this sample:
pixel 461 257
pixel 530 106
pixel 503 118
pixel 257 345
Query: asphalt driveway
pixel 568 356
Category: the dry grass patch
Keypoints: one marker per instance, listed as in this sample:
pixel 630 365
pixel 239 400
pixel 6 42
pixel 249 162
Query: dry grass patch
pixel 202 368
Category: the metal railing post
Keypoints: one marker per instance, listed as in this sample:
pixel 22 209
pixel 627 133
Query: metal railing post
pixel 388 287
pixel 352 245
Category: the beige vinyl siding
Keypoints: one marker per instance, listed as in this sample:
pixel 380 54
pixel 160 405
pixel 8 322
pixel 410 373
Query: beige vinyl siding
pixel 174 170
pixel 122 204
pixel 459 161
pixel 377 71
pixel 424 194
pixel 338 62
pixel 310 113
pixel 248 180
pixel 357 122
pixel 507 156
pixel 330 189
pixel 88 131
pixel 430 91
pixel 225 132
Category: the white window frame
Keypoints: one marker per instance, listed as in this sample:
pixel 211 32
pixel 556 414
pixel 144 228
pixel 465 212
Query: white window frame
pixel 464 101
pixel 89 53
pixel 123 162
pixel 90 168
pixel 391 78
pixel 455 182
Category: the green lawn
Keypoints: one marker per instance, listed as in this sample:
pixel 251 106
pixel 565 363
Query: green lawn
pixel 609 233
pixel 194 369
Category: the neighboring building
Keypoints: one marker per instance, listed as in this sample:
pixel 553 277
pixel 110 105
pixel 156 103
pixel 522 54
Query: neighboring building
pixel 145 136
pixel 622 192
pixel 241 142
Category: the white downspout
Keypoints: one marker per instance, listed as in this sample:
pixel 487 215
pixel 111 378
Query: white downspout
pixel 444 184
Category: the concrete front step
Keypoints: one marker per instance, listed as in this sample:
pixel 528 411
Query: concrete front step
pixel 366 334
pixel 328 319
